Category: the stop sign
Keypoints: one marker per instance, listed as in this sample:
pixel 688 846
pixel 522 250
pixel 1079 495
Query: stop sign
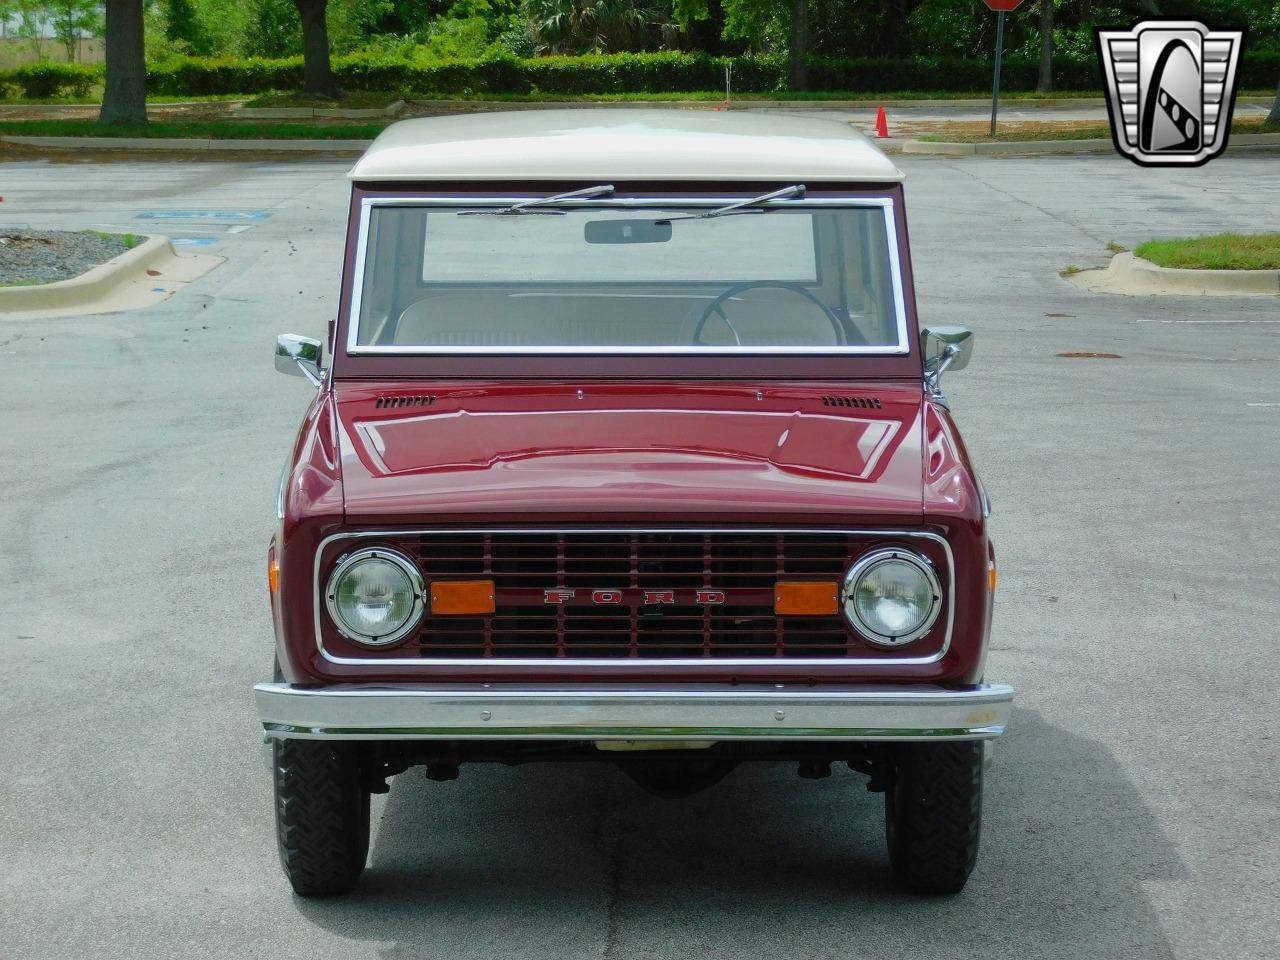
pixel 1004 6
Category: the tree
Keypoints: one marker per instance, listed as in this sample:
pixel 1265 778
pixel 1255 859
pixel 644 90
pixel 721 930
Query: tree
pixel 182 25
pixel 761 23
pixel 1045 83
pixel 595 26
pixel 317 74
pixel 798 49
pixel 124 96
pixel 72 19
pixel 28 24
pixel 1273 118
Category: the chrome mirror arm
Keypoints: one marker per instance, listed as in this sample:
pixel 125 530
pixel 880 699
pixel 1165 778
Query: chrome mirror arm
pixel 944 348
pixel 933 375
pixel 314 376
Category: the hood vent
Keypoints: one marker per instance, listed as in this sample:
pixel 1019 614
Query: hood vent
pixel 862 403
pixel 397 403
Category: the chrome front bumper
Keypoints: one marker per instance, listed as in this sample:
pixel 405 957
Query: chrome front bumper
pixel 656 712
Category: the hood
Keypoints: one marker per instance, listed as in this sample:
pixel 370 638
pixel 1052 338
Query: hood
pixel 535 453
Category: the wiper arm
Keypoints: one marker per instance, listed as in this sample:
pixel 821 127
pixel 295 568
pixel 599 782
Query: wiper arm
pixel 536 205
pixel 752 205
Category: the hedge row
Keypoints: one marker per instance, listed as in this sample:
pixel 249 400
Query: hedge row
pixel 38 81
pixel 668 72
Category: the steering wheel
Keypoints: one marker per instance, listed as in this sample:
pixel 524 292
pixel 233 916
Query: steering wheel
pixel 717 307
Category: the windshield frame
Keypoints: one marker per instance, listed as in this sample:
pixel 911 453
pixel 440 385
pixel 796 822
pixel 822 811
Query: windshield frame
pixel 901 346
pixel 602 366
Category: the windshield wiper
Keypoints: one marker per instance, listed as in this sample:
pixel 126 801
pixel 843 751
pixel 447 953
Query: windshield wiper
pixel 536 205
pixel 753 205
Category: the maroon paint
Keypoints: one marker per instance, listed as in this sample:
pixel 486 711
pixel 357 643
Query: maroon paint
pixel 668 442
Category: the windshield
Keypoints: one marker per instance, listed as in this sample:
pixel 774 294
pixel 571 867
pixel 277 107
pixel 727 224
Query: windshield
pixel 786 278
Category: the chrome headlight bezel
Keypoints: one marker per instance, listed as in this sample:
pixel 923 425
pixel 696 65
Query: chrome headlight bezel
pixel 866 564
pixel 416 583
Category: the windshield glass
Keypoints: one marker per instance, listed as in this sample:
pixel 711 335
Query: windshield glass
pixel 595 278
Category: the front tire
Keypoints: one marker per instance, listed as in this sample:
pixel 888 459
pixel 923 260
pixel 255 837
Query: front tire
pixel 322 816
pixel 933 815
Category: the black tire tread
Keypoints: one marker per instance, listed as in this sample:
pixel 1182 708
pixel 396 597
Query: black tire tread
pixel 933 815
pixel 322 816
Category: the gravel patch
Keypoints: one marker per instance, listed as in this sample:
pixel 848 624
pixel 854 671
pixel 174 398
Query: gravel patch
pixel 45 256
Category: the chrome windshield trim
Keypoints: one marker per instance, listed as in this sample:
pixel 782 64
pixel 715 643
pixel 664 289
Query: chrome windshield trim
pixel 647 712
pixel 716 663
pixel 354 348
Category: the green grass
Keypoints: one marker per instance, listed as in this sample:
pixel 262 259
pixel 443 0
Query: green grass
pixel 130 240
pixel 358 100
pixel 1222 251
pixel 1072 133
pixel 202 129
pixel 364 99
pixel 29 282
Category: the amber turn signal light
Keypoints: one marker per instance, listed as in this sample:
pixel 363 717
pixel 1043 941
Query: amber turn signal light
pixel 273 575
pixel 806 599
pixel 457 597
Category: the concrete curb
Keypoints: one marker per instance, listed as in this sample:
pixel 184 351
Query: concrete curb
pixel 1028 147
pixel 147 274
pixel 185 143
pixel 1131 275
pixel 311 113
pixel 89 286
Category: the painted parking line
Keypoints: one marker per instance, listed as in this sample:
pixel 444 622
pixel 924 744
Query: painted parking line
pixel 1262 404
pixel 1158 320
pixel 203 215
pixel 193 241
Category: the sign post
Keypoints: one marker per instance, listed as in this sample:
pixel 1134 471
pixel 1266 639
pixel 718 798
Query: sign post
pixel 1001 7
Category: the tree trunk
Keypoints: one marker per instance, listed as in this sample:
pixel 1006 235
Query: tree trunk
pixel 1273 118
pixel 1045 83
pixel 799 44
pixel 124 96
pixel 317 76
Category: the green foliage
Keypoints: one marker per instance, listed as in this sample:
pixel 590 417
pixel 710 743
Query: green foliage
pixel 72 19
pixel 274 29
pixel 185 28
pixel 598 26
pixel 46 80
pixel 452 39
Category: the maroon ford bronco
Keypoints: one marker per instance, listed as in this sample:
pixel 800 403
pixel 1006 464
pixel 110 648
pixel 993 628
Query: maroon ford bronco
pixel 629 448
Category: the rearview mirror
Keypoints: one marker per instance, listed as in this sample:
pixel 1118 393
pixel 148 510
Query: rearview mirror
pixel 299 357
pixel 945 348
pixel 627 231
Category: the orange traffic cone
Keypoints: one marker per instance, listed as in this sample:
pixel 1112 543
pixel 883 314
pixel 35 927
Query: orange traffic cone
pixel 882 124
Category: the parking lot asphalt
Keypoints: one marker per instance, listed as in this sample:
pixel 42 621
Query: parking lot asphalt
pixel 1132 811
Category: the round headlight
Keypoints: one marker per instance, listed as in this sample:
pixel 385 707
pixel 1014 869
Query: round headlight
pixel 891 597
pixel 375 596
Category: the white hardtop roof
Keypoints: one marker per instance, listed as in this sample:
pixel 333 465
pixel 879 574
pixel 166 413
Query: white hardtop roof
pixel 599 145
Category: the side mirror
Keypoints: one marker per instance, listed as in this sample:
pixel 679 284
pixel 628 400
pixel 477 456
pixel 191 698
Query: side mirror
pixel 299 357
pixel 945 348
